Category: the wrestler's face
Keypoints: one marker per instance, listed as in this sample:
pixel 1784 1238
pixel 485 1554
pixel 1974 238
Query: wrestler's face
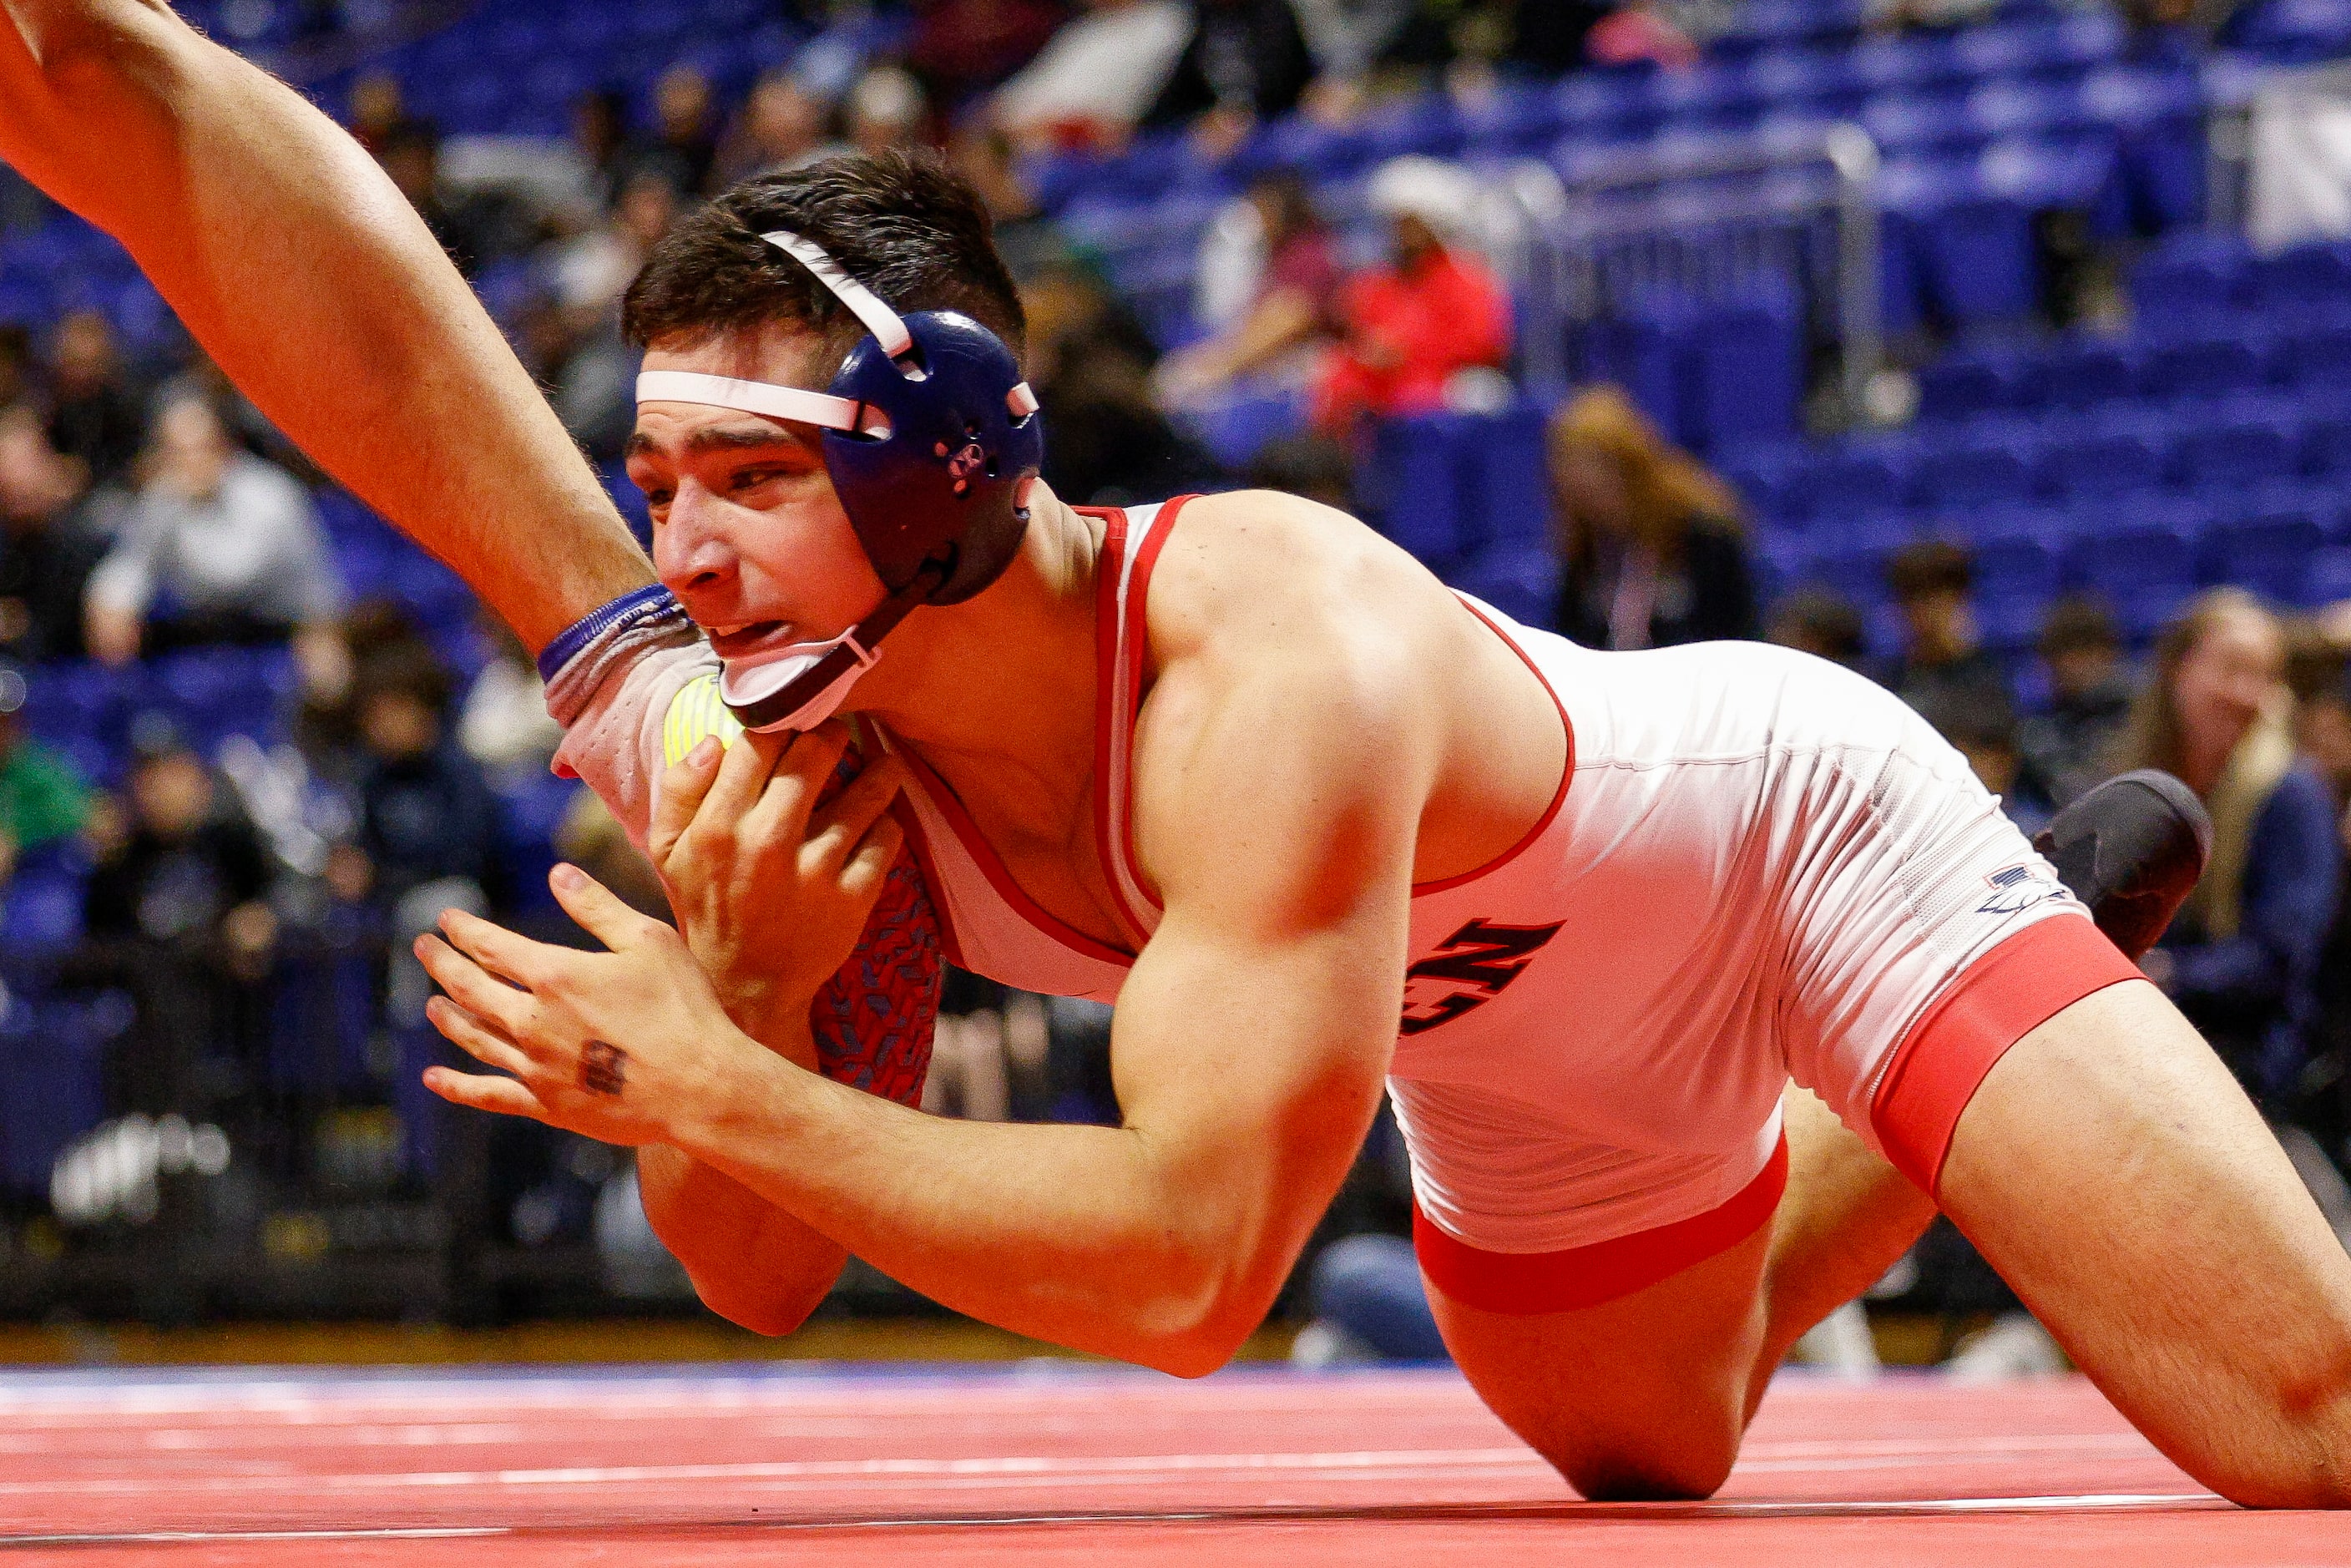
pixel 748 531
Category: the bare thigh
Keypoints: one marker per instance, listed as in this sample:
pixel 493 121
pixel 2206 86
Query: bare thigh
pixel 1644 1396
pixel 2112 1172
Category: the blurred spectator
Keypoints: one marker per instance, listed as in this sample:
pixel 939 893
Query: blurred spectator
pixel 1314 467
pixel 410 152
pixel 425 815
pixel 885 109
pixel 684 143
pixel 960 48
pixel 780 126
pixel 377 109
pixel 1430 316
pixel 327 725
pixel 2066 746
pixel 576 339
pixel 1985 734
pixel 1639 32
pixel 1246 62
pixel 1824 624
pixel 49 542
pixel 600 134
pixel 504 725
pixel 182 865
pixel 1649 540
pixel 1025 237
pixel 43 800
pixel 1943 663
pixel 1269 282
pixel 2316 672
pixel 2241 958
pixel 221 548
pixel 1346 39
pixel 1090 362
pixel 1100 74
pixel 15 364
pixel 92 414
pixel 1904 15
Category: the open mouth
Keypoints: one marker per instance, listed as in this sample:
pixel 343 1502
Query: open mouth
pixel 743 639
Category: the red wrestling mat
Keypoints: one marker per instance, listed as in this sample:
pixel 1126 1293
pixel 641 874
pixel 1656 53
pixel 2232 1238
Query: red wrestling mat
pixel 1053 1464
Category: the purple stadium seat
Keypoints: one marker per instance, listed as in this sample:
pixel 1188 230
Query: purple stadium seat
pixel 1987 462
pixel 2191 277
pixel 1822 80
pixel 2142 565
pixel 1508 502
pixel 1413 483
pixel 2329 576
pixel 1907 62
pixel 2205 366
pixel 2316 354
pixel 2085 372
pixel 2232 452
pixel 1861 478
pixel 2094 461
pixel 2268 552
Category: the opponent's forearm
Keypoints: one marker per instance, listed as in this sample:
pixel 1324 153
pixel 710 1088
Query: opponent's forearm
pixel 1066 1234
pixel 299 268
pixel 750 1261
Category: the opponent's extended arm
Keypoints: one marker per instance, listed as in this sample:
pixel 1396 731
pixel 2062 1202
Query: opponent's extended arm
pixel 298 266
pixel 1249 1045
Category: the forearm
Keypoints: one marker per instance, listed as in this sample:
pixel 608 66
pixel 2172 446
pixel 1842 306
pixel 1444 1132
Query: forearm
pixel 298 266
pixel 1066 1234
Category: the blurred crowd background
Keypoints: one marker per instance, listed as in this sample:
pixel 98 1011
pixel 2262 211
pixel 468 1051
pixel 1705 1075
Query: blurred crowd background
pixel 1994 348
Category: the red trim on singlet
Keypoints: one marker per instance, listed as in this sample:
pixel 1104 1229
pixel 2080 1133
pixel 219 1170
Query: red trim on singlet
pixel 1110 633
pixel 1944 1056
pixel 975 845
pixel 1559 796
pixel 1523 1285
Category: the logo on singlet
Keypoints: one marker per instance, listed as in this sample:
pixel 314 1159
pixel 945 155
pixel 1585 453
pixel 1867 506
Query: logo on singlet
pixel 1478 962
pixel 2015 889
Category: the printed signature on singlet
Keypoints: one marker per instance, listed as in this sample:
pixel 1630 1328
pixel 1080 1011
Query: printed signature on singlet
pixel 2017 888
pixel 1478 962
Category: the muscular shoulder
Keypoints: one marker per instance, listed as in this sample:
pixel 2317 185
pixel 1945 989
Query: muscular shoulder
pixel 1288 671
pixel 1254 572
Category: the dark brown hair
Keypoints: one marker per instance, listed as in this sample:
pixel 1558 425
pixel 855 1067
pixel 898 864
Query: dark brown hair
pixel 1929 567
pixel 902 223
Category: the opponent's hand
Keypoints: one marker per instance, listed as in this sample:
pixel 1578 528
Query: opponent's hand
pixel 623 1046
pixel 771 891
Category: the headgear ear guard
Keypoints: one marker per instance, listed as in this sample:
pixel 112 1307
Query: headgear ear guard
pixel 930 437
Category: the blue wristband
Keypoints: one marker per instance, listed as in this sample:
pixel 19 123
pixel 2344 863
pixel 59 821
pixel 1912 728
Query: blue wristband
pixel 649 602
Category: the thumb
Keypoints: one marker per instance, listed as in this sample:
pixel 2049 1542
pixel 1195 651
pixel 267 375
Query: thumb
pixel 598 910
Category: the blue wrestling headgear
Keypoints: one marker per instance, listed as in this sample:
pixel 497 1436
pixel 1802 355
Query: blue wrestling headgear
pixel 931 438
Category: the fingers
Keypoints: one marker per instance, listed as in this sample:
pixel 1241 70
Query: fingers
pixel 598 909
pixel 496 949
pixel 781 815
pixel 473 987
pixel 743 773
pixel 869 867
pixel 503 1095
pixel 466 1032
pixel 850 815
pixel 683 787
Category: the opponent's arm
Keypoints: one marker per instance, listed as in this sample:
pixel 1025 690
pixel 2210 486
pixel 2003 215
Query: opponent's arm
pixel 298 266
pixel 1249 1049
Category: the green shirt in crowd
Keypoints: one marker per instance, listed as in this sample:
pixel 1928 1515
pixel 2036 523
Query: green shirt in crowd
pixel 41 799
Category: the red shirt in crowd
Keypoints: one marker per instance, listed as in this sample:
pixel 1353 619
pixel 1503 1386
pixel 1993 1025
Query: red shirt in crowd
pixel 1407 333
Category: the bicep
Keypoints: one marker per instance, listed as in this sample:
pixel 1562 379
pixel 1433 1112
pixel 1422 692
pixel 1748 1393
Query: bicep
pixel 1253 1035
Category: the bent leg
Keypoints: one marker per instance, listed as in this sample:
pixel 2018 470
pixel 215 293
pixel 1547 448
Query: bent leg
pixel 2113 1172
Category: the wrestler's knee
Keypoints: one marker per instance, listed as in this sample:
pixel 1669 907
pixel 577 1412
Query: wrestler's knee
pixel 2296 1452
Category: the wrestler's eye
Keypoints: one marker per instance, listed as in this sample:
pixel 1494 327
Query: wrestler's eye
pixel 752 479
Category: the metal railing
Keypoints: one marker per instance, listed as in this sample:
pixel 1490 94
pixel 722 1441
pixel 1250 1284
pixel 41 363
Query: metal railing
pixel 1703 220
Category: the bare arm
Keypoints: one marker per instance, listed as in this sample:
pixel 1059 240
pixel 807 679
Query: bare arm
pixel 1249 1049
pixel 298 266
